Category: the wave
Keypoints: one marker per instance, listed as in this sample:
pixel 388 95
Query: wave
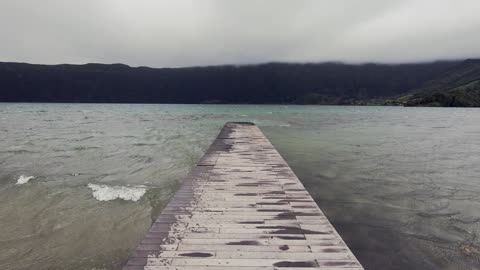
pixel 24 179
pixel 83 148
pixel 19 151
pixel 141 158
pixel 145 144
pixel 109 193
pixel 84 139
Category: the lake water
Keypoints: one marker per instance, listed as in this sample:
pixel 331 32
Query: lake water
pixel 81 183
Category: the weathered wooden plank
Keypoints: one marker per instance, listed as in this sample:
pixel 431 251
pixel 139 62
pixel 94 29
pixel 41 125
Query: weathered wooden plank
pixel 242 208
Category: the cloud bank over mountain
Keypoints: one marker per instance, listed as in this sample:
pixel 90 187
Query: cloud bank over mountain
pixel 179 33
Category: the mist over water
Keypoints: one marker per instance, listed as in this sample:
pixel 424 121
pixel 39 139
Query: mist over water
pixel 401 185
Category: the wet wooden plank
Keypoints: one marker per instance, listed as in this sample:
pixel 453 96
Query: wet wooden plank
pixel 242 207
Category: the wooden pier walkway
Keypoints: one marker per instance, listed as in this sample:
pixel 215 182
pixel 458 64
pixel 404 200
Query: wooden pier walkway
pixel 242 208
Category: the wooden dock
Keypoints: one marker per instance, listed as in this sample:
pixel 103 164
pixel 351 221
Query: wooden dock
pixel 242 208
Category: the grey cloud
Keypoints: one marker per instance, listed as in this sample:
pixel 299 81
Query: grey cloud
pixel 209 32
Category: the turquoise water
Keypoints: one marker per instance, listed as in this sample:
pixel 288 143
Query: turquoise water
pixel 401 185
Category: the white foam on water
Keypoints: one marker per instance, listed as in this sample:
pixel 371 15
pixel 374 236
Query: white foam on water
pixel 24 179
pixel 108 193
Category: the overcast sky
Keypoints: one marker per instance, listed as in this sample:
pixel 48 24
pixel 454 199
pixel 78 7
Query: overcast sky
pixel 176 33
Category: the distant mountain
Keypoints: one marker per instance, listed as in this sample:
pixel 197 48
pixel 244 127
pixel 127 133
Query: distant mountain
pixel 459 86
pixel 324 83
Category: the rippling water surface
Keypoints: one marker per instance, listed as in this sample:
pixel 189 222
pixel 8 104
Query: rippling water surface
pixel 81 183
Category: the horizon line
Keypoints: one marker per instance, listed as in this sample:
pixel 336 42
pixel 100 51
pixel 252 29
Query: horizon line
pixel 255 64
